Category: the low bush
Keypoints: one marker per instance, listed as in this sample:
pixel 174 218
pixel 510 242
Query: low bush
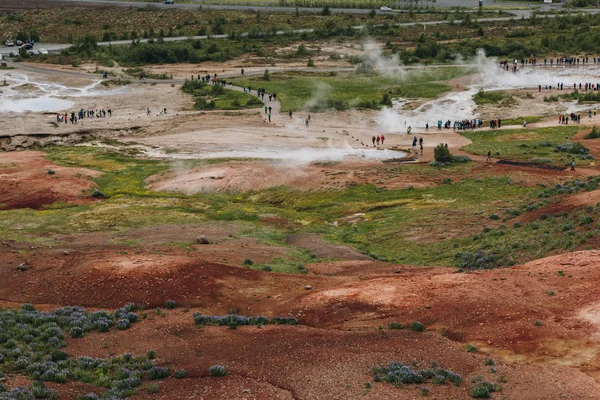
pixel 76 332
pixel 416 327
pixel 483 390
pixel 470 348
pixel 156 373
pixel 217 371
pixel 170 304
pixel 399 373
pixel 180 374
pixel 594 134
pixel 395 325
pixel 241 320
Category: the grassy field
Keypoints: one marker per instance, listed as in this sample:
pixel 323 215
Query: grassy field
pixel 53 26
pixel 491 97
pixel 215 97
pixel 438 225
pixel 322 91
pixel 535 145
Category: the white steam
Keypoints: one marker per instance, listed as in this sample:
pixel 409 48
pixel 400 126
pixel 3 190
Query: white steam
pixel 488 76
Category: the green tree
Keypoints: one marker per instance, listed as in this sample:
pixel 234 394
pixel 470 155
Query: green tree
pixel 441 153
pixel 266 76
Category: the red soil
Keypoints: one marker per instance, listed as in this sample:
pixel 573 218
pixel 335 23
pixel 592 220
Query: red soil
pixel 26 183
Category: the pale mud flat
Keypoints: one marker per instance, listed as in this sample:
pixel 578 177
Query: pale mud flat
pixel 32 100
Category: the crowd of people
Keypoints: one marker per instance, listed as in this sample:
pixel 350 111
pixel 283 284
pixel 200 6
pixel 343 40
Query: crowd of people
pixel 560 61
pixel 564 119
pixel 75 116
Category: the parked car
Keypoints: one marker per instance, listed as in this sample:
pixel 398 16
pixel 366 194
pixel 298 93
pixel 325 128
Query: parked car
pixel 169 2
pixel 385 9
pixel 9 43
pixel 43 51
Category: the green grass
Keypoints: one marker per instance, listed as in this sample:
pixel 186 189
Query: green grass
pixel 582 97
pixel 215 97
pixel 519 120
pixel 491 97
pixel 322 91
pixel 426 226
pixel 521 144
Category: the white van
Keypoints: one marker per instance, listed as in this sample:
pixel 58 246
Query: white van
pixel 385 9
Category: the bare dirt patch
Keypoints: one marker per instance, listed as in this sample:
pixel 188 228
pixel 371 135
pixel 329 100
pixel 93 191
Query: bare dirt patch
pixel 26 183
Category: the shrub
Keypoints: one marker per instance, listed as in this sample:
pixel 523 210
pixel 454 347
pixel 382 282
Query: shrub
pixel 76 332
pixel 475 261
pixel 395 325
pixel 490 361
pixel 248 261
pixel 151 354
pixel 89 396
pixel 484 389
pixel 180 374
pixel 217 371
pixel 470 348
pixel 170 304
pixel 18 393
pixel 399 373
pixel 441 153
pixel 123 324
pixel 594 134
pixel 460 159
pixel 267 268
pixel 416 327
pixel 156 373
pixel 40 391
pixel 28 307
pixel 153 388
pixel 571 148
pixel 494 217
pixel 541 160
